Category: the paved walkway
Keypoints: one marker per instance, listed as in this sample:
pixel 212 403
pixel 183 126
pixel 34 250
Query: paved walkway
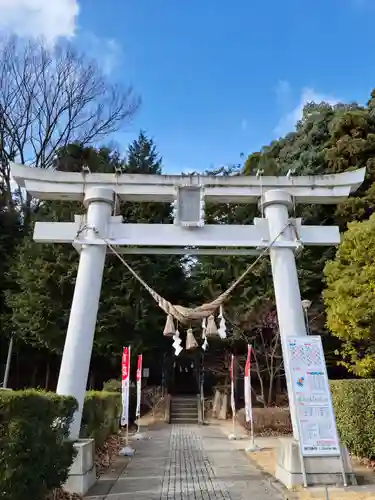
pixel 184 463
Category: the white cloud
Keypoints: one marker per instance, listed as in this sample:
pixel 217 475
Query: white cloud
pixel 107 51
pixel 50 19
pixel 55 19
pixel 283 93
pixel 290 118
pixel 244 124
pixel 113 54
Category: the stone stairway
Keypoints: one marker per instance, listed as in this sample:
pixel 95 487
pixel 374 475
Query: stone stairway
pixel 184 410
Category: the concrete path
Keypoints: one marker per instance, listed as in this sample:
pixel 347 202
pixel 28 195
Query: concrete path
pixel 184 463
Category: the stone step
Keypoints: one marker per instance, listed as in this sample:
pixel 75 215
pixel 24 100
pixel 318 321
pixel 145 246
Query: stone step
pixel 184 415
pixel 194 402
pixel 184 403
pixel 174 405
pixel 183 410
pixel 177 408
pixel 184 420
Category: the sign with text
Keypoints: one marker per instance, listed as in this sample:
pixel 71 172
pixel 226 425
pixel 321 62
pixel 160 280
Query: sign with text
pixel 312 397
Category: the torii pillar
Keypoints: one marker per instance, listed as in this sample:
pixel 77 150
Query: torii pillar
pixel 76 358
pixel 276 204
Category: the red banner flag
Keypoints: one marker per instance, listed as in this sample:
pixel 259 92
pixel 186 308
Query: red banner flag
pixel 125 375
pixel 248 402
pixel 139 383
pixel 232 401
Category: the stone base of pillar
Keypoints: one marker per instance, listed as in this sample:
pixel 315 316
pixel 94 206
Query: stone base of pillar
pixel 82 473
pixel 320 471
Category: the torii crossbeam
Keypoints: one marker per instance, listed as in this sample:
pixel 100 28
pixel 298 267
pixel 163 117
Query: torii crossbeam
pixel 188 234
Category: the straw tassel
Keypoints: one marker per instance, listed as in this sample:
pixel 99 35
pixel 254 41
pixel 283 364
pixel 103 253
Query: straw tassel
pixel 211 330
pixel 169 329
pixel 191 343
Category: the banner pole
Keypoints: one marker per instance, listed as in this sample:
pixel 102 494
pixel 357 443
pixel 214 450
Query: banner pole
pixel 252 432
pixel 127 426
pixel 127 436
pixel 248 400
pixel 138 434
pixel 127 451
pixel 232 399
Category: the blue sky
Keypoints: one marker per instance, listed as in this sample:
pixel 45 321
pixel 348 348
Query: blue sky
pixel 217 78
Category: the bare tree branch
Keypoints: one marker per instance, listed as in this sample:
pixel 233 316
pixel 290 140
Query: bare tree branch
pixel 49 99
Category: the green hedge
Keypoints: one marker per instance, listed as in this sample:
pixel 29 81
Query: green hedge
pixel 101 415
pixel 354 403
pixel 34 454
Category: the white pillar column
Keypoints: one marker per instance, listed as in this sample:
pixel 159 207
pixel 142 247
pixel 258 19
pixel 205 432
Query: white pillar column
pixel 80 335
pixel 276 204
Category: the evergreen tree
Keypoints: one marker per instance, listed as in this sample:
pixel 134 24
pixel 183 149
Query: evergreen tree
pixel 349 297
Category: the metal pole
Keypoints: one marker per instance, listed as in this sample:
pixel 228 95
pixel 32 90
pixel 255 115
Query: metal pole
pixel 307 322
pixel 7 366
pixel 252 430
pixel 304 475
pixel 306 304
pixel 202 386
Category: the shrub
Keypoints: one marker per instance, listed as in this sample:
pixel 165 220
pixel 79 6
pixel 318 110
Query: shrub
pixel 354 403
pixel 112 385
pixel 101 415
pixel 34 454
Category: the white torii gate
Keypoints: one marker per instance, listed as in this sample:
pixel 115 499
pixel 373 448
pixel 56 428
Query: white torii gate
pixel 188 234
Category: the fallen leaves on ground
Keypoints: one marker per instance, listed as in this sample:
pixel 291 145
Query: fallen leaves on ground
pixel 108 453
pixel 369 464
pixel 61 494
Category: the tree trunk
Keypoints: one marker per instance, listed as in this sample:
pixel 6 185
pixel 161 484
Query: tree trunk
pixel 46 384
pixel 270 390
pixel 33 376
pixel 92 381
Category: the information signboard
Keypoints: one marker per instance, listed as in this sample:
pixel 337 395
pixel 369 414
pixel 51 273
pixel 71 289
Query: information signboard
pixel 312 397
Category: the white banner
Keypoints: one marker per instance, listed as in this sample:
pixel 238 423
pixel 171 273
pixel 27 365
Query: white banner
pixel 125 376
pixel 248 402
pixel 232 401
pixel 139 386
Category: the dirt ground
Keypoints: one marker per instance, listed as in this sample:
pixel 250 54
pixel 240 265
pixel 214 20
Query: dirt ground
pixel 266 460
